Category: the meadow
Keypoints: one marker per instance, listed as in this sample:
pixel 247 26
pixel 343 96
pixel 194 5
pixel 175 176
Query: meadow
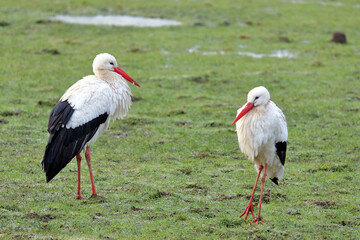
pixel 172 168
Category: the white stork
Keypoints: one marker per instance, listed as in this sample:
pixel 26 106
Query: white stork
pixel 83 113
pixel 262 135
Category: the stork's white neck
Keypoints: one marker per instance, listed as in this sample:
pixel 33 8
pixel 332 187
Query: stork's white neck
pixel 122 93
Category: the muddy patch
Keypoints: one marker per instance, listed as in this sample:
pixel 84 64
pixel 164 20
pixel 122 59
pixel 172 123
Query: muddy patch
pixel 51 51
pixel 48 103
pixel 136 121
pixel 202 155
pixel 10 113
pixel 133 208
pixel 284 39
pixel 213 124
pixel 183 124
pixel 325 204
pixel 233 223
pixel 177 112
pixel 226 197
pixel 334 168
pixel 4 24
pixel 43 21
pixel 200 79
pixel 136 99
pixel 44 217
pixel 159 194
pixel 339 37
pixel 186 171
pixel 197 188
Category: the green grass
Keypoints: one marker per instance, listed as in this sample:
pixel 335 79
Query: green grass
pixel 172 168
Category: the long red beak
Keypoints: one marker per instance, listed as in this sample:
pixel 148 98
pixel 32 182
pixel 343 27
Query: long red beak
pixel 124 75
pixel 246 109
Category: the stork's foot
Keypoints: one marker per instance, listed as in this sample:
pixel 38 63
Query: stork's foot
pixel 78 196
pixel 97 196
pixel 249 208
pixel 258 219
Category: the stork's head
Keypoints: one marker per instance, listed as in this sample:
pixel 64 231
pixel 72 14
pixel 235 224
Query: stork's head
pixel 105 63
pixel 257 97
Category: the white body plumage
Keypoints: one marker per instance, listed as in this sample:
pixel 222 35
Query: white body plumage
pixel 259 130
pixel 93 96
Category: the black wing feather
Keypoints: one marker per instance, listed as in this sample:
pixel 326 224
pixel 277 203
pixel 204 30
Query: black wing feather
pixel 59 116
pixel 65 143
pixel 281 151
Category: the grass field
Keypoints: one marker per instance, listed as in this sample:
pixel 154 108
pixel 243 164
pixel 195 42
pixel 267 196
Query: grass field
pixel 172 169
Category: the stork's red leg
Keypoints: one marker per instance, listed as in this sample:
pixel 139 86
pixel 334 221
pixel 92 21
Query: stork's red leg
pixel 78 158
pixel 258 218
pixel 250 206
pixel 88 159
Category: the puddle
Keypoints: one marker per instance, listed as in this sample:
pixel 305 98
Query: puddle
pixel 277 53
pixel 295 1
pixel 116 20
pixel 242 46
pixel 280 53
pixel 253 55
pixel 221 52
pixel 335 4
pixel 331 3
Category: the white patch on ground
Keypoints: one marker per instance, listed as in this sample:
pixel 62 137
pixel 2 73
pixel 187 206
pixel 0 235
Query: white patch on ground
pixel 281 53
pixel 116 20
pixel 324 3
pixel 331 3
pixel 194 49
pixel 165 52
pixel 295 1
pixel 221 52
pixel 251 54
pixel 276 53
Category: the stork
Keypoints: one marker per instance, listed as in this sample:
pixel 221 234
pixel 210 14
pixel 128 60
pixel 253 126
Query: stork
pixel 262 135
pixel 83 113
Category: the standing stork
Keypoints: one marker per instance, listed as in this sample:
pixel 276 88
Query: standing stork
pixel 262 134
pixel 83 113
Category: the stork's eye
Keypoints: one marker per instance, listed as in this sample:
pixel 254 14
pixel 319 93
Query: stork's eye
pixel 256 98
pixel 112 63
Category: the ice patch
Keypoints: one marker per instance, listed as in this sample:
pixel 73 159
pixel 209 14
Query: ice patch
pixel 116 20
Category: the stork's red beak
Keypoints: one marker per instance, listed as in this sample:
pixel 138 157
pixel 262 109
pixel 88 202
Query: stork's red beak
pixel 124 75
pixel 246 109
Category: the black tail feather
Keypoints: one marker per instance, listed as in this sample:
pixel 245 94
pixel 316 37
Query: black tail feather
pixel 275 180
pixel 65 144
